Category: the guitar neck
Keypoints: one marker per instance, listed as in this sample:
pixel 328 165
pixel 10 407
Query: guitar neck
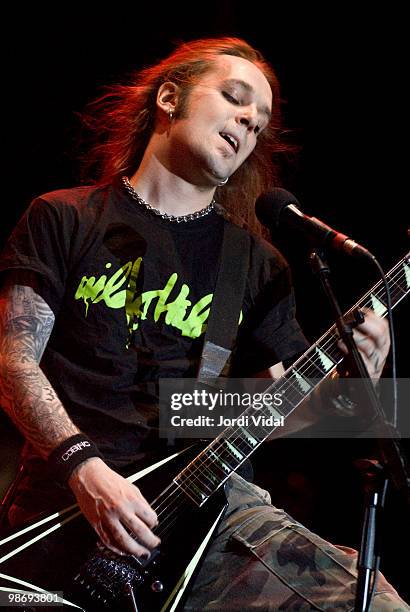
pixel 213 466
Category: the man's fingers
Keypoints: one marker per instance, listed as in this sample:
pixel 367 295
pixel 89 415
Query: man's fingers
pixel 145 511
pixel 119 540
pixel 118 511
pixel 364 343
pixel 107 539
pixel 371 337
pixel 375 328
pixel 139 529
pixel 129 530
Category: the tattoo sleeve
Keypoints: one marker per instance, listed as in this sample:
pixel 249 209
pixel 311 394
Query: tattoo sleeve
pixel 26 322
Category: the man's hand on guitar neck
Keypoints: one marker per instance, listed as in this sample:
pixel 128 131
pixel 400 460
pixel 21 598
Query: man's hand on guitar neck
pixel 373 342
pixel 115 508
pixel 372 339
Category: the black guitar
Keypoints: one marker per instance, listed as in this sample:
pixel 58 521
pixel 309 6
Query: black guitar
pixel 185 490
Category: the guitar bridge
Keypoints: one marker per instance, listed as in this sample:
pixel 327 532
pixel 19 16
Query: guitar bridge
pixel 106 578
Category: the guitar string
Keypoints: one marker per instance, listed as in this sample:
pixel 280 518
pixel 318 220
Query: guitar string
pixel 172 514
pixel 192 475
pixel 223 445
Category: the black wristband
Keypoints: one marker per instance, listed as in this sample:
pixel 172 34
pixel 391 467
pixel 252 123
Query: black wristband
pixel 73 451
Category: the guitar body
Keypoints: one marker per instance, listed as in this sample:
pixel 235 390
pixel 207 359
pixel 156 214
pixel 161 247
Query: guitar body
pixel 70 561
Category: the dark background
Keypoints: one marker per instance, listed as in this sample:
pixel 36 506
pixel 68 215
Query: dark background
pixel 343 76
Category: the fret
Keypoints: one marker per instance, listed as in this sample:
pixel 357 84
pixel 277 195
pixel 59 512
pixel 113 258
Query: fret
pixel 397 290
pixel 258 427
pixel 234 451
pixel 378 306
pixel 398 280
pixel 301 381
pixel 226 459
pixel 332 348
pixel 199 477
pixel 312 364
pixel 397 285
pixel 288 403
pixel 325 360
pixel 253 442
pixel 292 389
pixel 205 471
pixel 213 464
pixel 192 479
pixel 406 269
pixel 226 456
pixel 311 369
pixel 285 391
pixel 191 490
pixel 221 462
pixel 263 427
pixel 274 411
pixel 247 446
pixel 217 461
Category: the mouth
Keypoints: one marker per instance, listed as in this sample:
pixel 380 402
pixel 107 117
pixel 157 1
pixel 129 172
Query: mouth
pixel 231 140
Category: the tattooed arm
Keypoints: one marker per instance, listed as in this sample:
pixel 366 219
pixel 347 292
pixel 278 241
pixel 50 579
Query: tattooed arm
pixel 107 500
pixel 26 322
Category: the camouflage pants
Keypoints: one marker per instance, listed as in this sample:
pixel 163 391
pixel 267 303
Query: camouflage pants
pixel 262 559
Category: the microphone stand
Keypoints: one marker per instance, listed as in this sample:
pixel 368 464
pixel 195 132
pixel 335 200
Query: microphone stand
pixel 376 475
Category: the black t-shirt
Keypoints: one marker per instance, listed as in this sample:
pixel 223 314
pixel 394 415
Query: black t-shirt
pixel 131 294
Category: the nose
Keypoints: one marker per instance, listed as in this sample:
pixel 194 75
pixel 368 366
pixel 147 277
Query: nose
pixel 248 117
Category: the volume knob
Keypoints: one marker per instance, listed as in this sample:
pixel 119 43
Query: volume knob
pixel 157 586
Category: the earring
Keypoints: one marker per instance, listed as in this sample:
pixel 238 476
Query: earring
pixel 222 183
pixel 170 115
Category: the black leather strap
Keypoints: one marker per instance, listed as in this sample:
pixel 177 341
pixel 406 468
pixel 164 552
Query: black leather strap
pixel 227 301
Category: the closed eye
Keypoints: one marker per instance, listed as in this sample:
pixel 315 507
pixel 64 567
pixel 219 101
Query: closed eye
pixel 230 98
pixel 237 102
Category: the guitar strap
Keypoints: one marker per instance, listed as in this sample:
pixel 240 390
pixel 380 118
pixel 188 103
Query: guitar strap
pixel 226 302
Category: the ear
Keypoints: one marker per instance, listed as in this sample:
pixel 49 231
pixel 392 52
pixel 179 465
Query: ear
pixel 167 97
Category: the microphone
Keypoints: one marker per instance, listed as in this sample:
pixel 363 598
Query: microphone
pixel 279 209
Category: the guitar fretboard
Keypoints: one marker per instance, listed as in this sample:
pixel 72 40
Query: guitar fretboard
pixel 211 468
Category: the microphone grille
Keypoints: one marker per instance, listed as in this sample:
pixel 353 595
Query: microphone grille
pixel 269 205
